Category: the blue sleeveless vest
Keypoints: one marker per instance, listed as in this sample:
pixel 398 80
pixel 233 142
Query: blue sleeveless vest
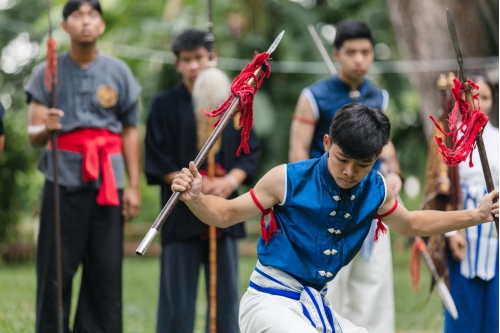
pixel 330 95
pixel 319 232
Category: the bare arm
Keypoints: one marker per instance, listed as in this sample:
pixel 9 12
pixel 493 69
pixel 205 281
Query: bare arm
pixel 390 167
pixel 224 213
pixel 131 153
pixel 41 122
pixel 302 130
pixel 433 222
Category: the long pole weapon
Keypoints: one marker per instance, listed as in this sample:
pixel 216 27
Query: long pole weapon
pixel 470 100
pixel 253 74
pixel 321 49
pixel 50 82
pixel 212 231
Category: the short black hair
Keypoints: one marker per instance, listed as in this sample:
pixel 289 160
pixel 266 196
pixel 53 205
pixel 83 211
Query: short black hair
pixel 190 40
pixel 73 5
pixel 351 29
pixel 360 131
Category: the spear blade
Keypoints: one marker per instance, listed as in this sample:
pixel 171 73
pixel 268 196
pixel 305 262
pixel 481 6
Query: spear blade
pixel 275 43
pixel 454 39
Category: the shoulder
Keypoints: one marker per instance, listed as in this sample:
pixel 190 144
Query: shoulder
pixel 163 102
pixel 321 85
pixel 112 61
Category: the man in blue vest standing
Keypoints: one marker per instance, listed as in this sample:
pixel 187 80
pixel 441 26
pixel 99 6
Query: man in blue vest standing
pixel 367 280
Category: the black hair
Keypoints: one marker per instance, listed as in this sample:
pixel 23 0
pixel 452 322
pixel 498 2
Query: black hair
pixel 351 29
pixel 73 5
pixel 360 131
pixel 190 40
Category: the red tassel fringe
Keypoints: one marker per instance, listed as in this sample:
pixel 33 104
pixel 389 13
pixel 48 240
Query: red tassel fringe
pixel 272 228
pixel 416 251
pixel 245 92
pixel 51 65
pixel 381 229
pixel 464 136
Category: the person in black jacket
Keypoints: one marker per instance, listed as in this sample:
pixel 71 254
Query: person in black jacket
pixel 171 143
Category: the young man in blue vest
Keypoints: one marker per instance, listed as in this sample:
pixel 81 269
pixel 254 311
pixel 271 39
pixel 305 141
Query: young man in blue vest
pixel 321 212
pixel 353 293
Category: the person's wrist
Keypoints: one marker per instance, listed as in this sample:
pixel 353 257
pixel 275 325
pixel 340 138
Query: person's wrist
pixel 232 180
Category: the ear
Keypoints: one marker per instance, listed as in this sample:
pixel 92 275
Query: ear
pixel 379 152
pixel 326 142
pixel 64 25
pixel 102 27
pixel 177 62
pixel 214 55
pixel 335 54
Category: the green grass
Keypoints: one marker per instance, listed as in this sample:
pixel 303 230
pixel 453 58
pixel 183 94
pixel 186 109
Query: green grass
pixel 415 313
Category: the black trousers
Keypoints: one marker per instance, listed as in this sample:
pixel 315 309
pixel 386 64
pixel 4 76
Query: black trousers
pixel 180 266
pixel 91 235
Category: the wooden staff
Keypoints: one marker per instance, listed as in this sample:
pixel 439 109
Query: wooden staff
pixel 51 77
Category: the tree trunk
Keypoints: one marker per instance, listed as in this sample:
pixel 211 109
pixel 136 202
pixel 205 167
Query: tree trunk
pixel 422 34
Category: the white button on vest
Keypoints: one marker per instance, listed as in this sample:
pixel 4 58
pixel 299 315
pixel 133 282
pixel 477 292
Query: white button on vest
pixel 336 198
pixel 353 197
pixel 322 273
pixel 347 215
pixel 333 251
pixel 327 252
pixel 328 274
pixel 333 213
pixel 338 232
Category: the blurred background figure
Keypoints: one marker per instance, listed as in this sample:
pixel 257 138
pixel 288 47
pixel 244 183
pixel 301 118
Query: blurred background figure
pixel 365 284
pixel 96 118
pixel 473 252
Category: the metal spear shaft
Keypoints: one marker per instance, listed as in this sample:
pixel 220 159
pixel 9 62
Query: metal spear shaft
pixel 169 206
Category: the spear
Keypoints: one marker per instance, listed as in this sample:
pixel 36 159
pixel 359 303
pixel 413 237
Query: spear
pixel 243 97
pixel 50 83
pixel 210 89
pixel 468 96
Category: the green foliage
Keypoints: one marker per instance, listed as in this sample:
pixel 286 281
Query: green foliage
pixel 19 184
pixel 140 33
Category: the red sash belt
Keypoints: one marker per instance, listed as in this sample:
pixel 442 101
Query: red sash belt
pixel 95 145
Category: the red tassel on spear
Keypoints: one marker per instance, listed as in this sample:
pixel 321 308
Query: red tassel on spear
pixel 51 64
pixel 464 134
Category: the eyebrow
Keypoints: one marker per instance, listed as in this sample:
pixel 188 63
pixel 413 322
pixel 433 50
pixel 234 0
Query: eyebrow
pixel 366 160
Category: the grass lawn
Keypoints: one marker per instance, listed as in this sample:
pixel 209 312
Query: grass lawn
pixel 414 312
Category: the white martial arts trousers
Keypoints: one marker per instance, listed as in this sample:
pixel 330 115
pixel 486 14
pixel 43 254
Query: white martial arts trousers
pixel 264 313
pixel 363 292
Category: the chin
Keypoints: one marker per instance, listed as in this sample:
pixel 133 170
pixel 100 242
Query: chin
pixel 345 185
